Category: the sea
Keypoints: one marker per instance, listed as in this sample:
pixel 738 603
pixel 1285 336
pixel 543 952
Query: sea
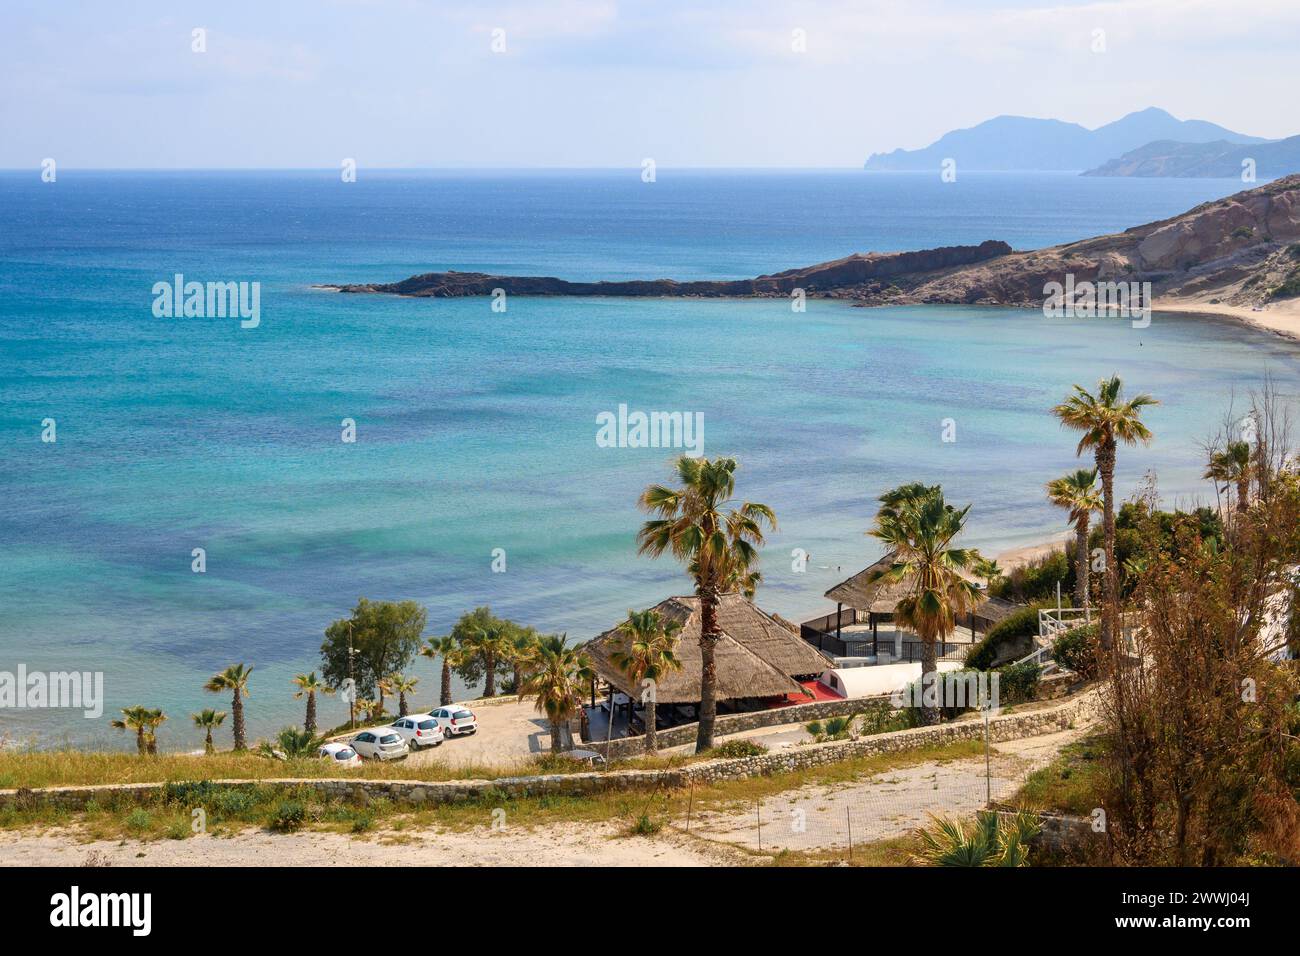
pixel 475 476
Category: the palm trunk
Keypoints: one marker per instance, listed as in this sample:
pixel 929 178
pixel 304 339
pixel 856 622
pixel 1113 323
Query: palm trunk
pixel 1110 609
pixel 141 745
pixel 709 637
pixel 445 696
pixel 237 714
pixel 1243 494
pixel 490 682
pixel 651 744
pixel 309 724
pixel 929 665
pixel 401 703
pixel 153 745
pixel 555 736
pixel 208 748
pixel 1081 562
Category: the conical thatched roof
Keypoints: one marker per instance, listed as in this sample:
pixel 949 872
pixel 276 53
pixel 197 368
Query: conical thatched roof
pixel 756 657
pixel 866 592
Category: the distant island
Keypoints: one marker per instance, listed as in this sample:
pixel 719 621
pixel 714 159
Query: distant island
pixel 1240 252
pixel 1220 159
pixel 1022 143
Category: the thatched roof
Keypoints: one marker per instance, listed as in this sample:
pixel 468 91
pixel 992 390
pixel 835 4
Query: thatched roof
pixel 756 657
pixel 866 592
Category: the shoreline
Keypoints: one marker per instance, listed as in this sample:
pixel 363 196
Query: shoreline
pixel 1281 319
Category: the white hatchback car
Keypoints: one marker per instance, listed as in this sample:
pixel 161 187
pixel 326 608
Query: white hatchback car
pixel 455 720
pixel 341 754
pixel 382 744
pixel 418 730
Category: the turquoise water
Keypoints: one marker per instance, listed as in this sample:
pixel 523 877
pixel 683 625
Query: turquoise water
pixel 476 430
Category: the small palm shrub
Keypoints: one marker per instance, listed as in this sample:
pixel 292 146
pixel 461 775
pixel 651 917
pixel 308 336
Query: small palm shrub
pixel 989 841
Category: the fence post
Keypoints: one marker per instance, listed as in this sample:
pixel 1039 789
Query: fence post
pixel 848 816
pixel 690 803
pixel 758 815
pixel 988 774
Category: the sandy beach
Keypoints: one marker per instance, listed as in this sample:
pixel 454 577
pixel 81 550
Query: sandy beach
pixel 1280 318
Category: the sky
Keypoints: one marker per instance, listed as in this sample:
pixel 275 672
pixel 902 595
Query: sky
pixel 608 83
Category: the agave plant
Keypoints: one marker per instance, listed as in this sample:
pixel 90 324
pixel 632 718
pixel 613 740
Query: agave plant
pixel 989 841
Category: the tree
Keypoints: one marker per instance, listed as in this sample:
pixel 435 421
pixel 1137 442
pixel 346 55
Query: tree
pixel 139 719
pixel 402 685
pixel 649 656
pixel 918 526
pixel 469 666
pixel 448 650
pixel 718 543
pixel 1105 421
pixel 1077 492
pixel 290 744
pixel 385 635
pixel 522 643
pixel 310 685
pixel 489 642
pixel 206 720
pixel 1233 465
pixel 234 679
pixel 556 677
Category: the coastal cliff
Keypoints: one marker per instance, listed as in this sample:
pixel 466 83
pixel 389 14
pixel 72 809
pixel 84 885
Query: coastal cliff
pixel 1241 250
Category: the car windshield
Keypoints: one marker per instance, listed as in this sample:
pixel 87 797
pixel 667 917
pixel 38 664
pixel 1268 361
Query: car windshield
pixel 347 753
pixel 428 724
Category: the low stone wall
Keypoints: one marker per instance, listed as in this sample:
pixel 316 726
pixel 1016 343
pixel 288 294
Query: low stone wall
pixel 735 723
pixel 1004 727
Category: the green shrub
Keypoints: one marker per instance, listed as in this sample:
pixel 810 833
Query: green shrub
pixel 288 815
pixel 1018 683
pixel 738 748
pixel 1015 625
pixel 1076 649
pixel 646 825
pixel 1037 580
pixel 138 819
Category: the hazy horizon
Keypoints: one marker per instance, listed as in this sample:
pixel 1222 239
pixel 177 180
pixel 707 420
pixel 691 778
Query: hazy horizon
pixel 602 84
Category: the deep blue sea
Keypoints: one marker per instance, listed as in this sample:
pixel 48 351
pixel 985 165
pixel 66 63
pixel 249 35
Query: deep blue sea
pixel 476 429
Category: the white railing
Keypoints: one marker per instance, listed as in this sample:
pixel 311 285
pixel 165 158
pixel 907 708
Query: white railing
pixel 1055 621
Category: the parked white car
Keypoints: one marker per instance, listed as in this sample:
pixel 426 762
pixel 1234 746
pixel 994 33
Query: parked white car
pixel 341 754
pixel 455 720
pixel 382 744
pixel 418 730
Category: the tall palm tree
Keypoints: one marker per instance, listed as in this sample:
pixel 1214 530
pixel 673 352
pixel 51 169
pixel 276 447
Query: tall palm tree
pixel 136 718
pixel 234 679
pixel 522 644
pixel 557 676
pixel 1233 466
pixel 649 656
pixel 451 654
pixel 155 719
pixel 491 642
pixel 403 685
pixel 1105 421
pixel 1078 493
pixel 919 527
pixel 717 542
pixel 207 720
pixel 310 685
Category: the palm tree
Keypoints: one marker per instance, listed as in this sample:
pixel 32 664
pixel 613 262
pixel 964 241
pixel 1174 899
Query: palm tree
pixel 207 720
pixel 234 679
pixel 1078 493
pixel 290 743
pixel 522 644
pixel 718 544
pixel 154 719
pixel 557 676
pixel 452 656
pixel 649 656
pixel 1233 466
pixel 403 685
pixel 310 685
pixel 491 642
pixel 137 718
pixel 1106 421
pixel 918 527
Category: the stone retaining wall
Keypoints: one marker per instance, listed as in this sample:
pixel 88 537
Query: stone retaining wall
pixel 1005 727
pixel 735 723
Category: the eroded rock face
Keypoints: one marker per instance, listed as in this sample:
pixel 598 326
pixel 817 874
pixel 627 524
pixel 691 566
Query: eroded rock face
pixel 1236 247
